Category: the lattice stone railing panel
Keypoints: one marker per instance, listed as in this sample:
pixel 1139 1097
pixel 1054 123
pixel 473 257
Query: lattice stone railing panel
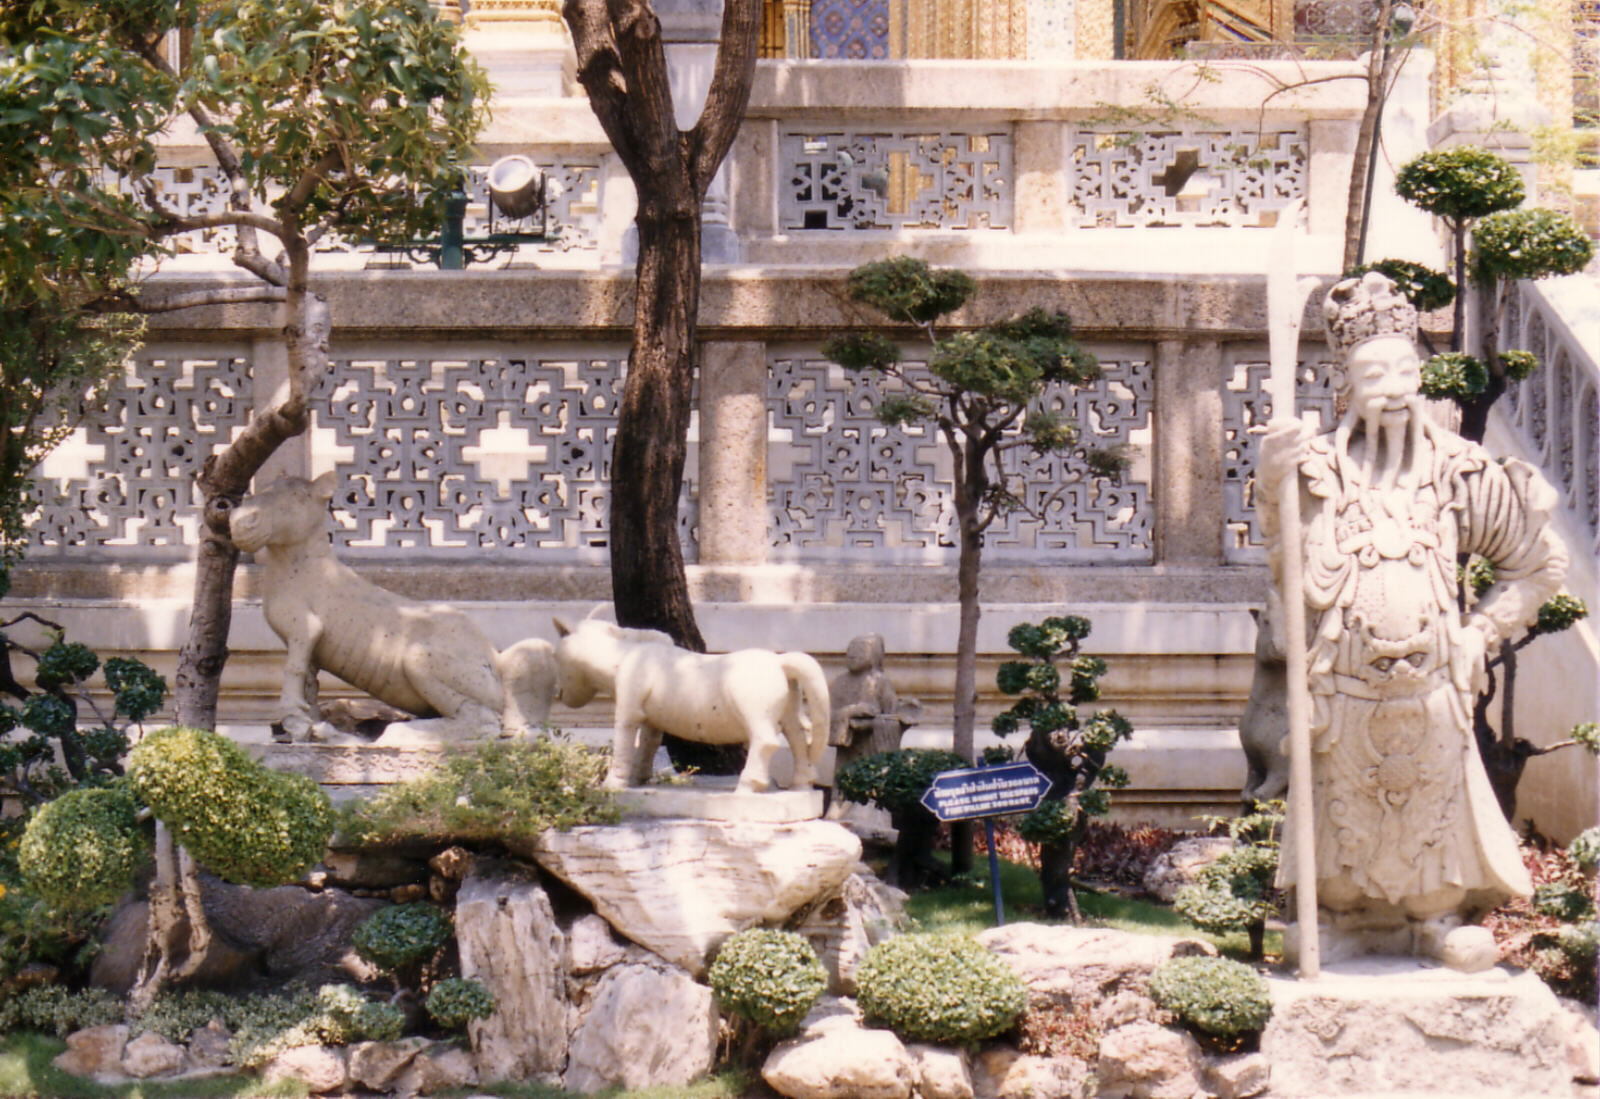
pixel 467 457
pixel 1556 410
pixel 124 481
pixel 895 179
pixel 1246 405
pixel 1194 177
pixel 575 213
pixel 844 486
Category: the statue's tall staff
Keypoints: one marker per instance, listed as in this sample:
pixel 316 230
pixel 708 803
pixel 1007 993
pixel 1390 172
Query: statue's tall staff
pixel 1286 305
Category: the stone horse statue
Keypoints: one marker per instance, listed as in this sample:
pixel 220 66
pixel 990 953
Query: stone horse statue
pixel 721 698
pixel 427 659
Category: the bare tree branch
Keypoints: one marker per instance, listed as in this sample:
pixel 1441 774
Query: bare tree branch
pixel 729 95
pixel 231 295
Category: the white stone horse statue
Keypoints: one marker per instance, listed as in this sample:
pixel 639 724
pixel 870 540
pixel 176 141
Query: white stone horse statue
pixel 427 659
pixel 720 698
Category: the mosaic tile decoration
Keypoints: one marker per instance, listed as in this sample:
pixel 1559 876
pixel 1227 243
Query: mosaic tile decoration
pixel 850 30
pixel 1052 30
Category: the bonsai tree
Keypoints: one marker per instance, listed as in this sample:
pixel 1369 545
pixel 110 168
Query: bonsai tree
pixel 1235 892
pixel 895 782
pixel 982 391
pixel 1069 751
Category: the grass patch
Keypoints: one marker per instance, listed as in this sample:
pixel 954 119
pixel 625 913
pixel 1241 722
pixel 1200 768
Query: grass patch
pixel 967 905
pixel 26 1073
pixel 727 1084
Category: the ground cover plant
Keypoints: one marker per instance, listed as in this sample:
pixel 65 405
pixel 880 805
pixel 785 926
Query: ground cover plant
pixel 938 988
pixel 1223 1001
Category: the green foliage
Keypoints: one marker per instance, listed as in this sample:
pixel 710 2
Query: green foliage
pixel 1518 364
pixel 456 1002
pixel 1587 734
pixel 1528 244
pixel 243 822
pixel 1478 572
pixel 1236 890
pixel 938 988
pixel 500 789
pixel 1584 850
pixel 51 1009
pixel 1567 899
pixel 1560 612
pixel 1460 183
pixel 265 1026
pixel 1422 286
pixel 862 351
pixel 1217 996
pixel 175 1016
pixel 1058 821
pixel 1454 376
pixel 908 290
pixel 84 848
pixel 401 935
pixel 769 978
pixel 894 781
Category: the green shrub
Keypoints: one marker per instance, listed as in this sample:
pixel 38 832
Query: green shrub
pixel 769 978
pixel 894 781
pixel 83 849
pixel 1528 244
pixel 1454 376
pixel 177 1015
pixel 502 788
pixel 265 1026
pixel 939 988
pixel 1235 892
pixel 1423 287
pixel 1217 996
pixel 456 1002
pixel 241 821
pixel 1560 612
pixel 52 1009
pixel 1584 850
pixel 1465 182
pixel 400 935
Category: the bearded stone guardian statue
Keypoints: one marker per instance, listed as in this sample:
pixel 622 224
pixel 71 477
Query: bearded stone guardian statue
pixel 1410 842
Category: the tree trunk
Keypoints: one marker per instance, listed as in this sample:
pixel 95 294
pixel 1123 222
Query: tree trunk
pixel 1359 202
pixel 963 833
pixel 1475 413
pixel 648 583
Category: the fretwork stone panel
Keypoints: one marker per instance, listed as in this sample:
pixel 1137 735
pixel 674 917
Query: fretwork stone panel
pixel 895 179
pixel 129 486
pixel 1246 408
pixel 1136 179
pixel 846 487
pixel 475 457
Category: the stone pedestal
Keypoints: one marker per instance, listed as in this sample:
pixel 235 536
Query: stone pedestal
pixel 1392 1026
pixel 714 798
pixel 525 47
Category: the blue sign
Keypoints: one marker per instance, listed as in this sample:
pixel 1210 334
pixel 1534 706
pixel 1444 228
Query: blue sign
pixel 985 791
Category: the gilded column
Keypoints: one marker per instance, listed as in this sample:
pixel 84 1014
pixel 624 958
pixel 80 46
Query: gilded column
pixel 959 29
pixel 524 45
pixel 1096 30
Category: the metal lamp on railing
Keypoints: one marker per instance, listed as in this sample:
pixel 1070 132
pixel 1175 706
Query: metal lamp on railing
pixel 517 186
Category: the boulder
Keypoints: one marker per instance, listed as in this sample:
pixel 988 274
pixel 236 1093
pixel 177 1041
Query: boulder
pixel 1176 867
pixel 1374 1025
pixel 376 1065
pixel 510 942
pixel 319 1068
pixel 152 1055
pixel 645 1025
pixel 1005 1073
pixel 436 1068
pixel 94 1051
pixel 208 1046
pixel 841 1061
pixel 680 887
pixel 591 946
pixel 1146 1061
pixel 844 926
pixel 940 1072
pixel 1072 966
pixel 1238 1077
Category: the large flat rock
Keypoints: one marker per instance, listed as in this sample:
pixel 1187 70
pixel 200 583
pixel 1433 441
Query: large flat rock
pixel 680 887
pixel 1395 1027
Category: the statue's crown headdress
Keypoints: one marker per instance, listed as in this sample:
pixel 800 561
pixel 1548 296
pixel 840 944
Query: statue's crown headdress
pixel 1364 308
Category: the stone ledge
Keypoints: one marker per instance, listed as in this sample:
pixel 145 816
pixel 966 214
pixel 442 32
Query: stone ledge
pixel 714 798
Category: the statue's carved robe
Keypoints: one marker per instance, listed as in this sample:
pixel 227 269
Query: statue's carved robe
pixel 1403 805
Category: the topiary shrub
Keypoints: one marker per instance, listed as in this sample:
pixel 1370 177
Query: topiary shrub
pixel 1422 286
pixel 895 782
pixel 500 789
pixel 51 1009
pixel 1454 376
pixel 401 935
pixel 767 977
pixel 1461 183
pixel 83 849
pixel 456 1002
pixel 1221 998
pixel 939 988
pixel 1235 892
pixel 241 821
pixel 1529 244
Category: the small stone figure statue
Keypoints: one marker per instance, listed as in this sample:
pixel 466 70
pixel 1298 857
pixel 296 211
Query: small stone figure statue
pixel 867 716
pixel 1410 842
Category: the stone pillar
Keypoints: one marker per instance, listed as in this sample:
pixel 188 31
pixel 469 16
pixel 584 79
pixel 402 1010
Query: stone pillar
pixel 1333 150
pixel 269 385
pixel 797 29
pixel 1043 193
pixel 1096 34
pixel 525 47
pixel 1396 229
pixel 733 453
pixel 1188 453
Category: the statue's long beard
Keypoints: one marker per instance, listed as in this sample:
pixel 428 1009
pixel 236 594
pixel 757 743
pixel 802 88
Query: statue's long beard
pixel 1393 450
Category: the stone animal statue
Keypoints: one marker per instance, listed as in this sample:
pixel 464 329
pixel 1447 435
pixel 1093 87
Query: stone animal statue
pixel 1265 721
pixel 427 659
pixel 752 696
pixel 868 717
